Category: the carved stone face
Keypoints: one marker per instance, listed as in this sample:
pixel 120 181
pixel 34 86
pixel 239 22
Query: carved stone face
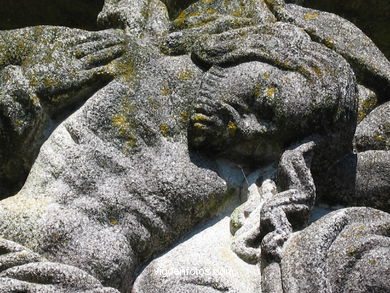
pixel 240 112
pixel 253 110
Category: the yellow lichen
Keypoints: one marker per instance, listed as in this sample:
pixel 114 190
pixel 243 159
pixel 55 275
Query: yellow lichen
pixel 185 75
pixel 232 127
pixel 18 122
pixel 122 68
pixel 317 71
pixel 120 122
pixel 165 91
pixel 153 103
pixel 114 221
pixel 164 129
pixel 211 11
pixel 237 13
pixel 271 91
pixel 131 140
pixel 266 75
pixel 199 117
pixel 351 251
pixel 184 117
pixel 311 16
pixel 192 14
pixel 180 19
pixel 199 126
pixel 378 138
pixel 49 82
pixel 329 42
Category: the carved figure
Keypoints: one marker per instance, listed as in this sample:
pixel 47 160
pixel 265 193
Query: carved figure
pixel 136 167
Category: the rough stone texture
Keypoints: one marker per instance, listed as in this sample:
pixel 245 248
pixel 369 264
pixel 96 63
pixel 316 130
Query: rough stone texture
pixel 367 101
pixel 373 133
pixel 115 183
pixel 361 179
pixel 204 263
pixel 370 65
pixel 37 90
pixel 202 91
pixel 345 251
pixel 371 17
pixel 244 221
pixel 284 95
pixel 25 271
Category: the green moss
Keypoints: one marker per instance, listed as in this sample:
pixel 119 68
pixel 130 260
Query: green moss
pixel 123 68
pixel 125 124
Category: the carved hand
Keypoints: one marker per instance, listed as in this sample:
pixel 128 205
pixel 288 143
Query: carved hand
pixel 288 209
pixel 72 65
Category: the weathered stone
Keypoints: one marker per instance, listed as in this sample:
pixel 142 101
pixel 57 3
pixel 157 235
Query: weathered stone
pixel 373 133
pixel 367 101
pixel 202 91
pixel 244 221
pixel 115 183
pixel 203 263
pixel 345 251
pixel 283 95
pixel 370 65
pixel 361 179
pixel 371 17
pixel 37 90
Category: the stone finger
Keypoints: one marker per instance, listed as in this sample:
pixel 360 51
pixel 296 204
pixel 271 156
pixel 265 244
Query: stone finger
pixel 92 47
pixel 102 57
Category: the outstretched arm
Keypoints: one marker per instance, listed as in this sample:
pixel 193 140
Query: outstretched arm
pixel 42 71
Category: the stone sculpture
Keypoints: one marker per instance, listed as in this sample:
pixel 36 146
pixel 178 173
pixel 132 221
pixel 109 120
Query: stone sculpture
pixel 179 97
